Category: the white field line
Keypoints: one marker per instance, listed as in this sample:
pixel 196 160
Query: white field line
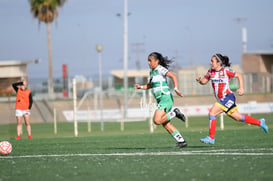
pixel 231 152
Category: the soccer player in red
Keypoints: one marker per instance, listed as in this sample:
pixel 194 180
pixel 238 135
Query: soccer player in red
pixel 219 74
pixel 23 106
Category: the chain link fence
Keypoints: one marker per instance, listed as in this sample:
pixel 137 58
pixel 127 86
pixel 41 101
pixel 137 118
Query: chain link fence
pixel 253 83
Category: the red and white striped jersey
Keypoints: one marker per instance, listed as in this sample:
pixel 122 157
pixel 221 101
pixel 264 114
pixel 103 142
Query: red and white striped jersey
pixel 220 81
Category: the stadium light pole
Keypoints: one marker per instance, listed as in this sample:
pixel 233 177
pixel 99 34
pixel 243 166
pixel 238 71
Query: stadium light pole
pixel 244 39
pixel 99 49
pixel 125 58
pixel 240 20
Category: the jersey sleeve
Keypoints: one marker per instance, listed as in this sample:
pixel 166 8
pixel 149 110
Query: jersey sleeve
pixel 207 76
pixel 162 70
pixel 230 72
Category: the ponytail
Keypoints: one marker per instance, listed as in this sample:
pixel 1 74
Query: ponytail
pixel 223 59
pixel 163 61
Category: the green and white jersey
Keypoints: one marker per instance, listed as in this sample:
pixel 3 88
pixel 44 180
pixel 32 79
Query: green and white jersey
pixel 158 80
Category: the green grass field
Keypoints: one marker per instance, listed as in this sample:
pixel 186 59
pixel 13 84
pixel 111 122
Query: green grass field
pixel 241 152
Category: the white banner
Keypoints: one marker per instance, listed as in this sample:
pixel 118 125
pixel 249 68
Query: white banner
pixel 251 107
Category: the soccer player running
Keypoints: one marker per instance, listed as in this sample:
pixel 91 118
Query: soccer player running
pixel 220 74
pixel 23 105
pixel 158 82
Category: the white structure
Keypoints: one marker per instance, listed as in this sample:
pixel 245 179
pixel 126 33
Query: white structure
pixel 11 71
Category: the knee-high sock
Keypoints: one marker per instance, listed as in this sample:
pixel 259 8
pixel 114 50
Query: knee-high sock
pixel 212 126
pixel 170 115
pixel 177 136
pixel 250 120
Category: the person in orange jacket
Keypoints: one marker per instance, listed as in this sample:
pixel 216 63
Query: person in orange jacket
pixel 23 105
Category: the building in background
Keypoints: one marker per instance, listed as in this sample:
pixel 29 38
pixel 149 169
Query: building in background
pixel 134 77
pixel 258 68
pixel 12 71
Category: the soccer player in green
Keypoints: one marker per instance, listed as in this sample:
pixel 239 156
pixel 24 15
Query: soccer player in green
pixel 158 82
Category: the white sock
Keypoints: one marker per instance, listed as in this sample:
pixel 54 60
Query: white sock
pixel 170 115
pixel 177 136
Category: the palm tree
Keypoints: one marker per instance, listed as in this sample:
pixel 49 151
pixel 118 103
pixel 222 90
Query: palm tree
pixel 46 11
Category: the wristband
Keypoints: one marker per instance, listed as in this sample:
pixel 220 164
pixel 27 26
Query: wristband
pixel 141 87
pixel 175 88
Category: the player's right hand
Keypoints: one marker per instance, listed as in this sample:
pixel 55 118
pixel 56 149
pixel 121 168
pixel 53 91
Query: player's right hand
pixel 137 86
pixel 198 79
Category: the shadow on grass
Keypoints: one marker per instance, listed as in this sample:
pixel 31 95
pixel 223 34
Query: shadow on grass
pixel 158 148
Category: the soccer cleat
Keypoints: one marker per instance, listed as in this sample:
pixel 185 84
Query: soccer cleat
pixel 30 137
pixel 179 115
pixel 181 144
pixel 18 137
pixel 207 140
pixel 263 125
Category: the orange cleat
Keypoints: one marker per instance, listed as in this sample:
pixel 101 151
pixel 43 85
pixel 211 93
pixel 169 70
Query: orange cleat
pixel 18 137
pixel 30 137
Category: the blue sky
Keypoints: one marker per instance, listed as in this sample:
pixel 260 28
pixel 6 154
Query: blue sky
pixel 191 31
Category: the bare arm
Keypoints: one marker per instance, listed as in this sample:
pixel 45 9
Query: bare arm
pixel 202 81
pixel 146 86
pixel 175 84
pixel 241 84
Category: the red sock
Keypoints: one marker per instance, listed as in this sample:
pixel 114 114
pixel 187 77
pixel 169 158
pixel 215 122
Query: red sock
pixel 251 120
pixel 212 126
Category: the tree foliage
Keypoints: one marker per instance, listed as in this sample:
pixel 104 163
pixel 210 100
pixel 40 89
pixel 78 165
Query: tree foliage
pixel 45 10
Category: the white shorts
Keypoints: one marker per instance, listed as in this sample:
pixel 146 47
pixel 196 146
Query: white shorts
pixel 21 112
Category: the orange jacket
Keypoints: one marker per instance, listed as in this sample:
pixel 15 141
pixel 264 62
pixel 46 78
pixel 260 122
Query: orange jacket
pixel 23 101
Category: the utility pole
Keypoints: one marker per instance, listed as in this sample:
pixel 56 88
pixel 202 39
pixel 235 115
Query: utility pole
pixel 240 20
pixel 125 58
pixel 138 50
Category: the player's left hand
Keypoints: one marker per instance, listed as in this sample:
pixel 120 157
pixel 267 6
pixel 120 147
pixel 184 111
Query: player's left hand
pixel 240 91
pixel 179 93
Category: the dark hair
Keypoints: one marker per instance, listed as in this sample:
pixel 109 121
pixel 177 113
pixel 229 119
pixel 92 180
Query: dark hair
pixel 223 59
pixel 163 61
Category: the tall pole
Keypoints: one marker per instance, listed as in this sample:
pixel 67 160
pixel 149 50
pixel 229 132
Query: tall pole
pixel 99 49
pixel 244 39
pixel 75 108
pixel 125 58
pixel 50 71
pixel 240 20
